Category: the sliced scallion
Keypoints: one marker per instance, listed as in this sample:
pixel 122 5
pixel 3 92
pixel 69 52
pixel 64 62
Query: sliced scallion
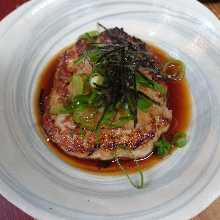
pixel 174 69
pixel 95 80
pixel 162 147
pixel 121 122
pixel 87 118
pixel 144 103
pixel 140 184
pixel 144 81
pixel 77 85
pixel 90 35
pixel 180 139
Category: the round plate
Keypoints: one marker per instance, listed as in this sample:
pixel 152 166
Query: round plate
pixel 42 185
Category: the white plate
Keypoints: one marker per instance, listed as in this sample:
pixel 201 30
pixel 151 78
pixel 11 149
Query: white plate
pixel 42 185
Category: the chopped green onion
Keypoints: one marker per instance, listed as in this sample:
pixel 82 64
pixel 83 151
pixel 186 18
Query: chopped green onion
pixel 90 35
pixel 162 147
pixel 93 55
pixel 93 97
pixel 86 86
pixel 143 80
pixel 109 113
pixel 132 106
pixel 95 80
pixel 77 85
pixel 96 100
pixel 139 185
pixel 80 102
pixel 174 69
pixel 180 139
pixel 106 117
pixel 147 97
pixel 87 118
pixel 144 103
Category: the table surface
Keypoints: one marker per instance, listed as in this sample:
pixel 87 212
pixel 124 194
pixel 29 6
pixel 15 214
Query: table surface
pixel 10 212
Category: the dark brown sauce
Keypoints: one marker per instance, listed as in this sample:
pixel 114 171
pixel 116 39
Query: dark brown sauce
pixel 179 101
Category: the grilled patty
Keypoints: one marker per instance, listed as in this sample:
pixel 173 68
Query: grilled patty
pixel 126 142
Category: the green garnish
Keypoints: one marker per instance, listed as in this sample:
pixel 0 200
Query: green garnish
pixel 173 69
pixel 80 102
pixel 86 118
pixel 180 139
pixel 144 103
pixel 94 98
pixel 141 94
pixel 116 76
pixel 80 60
pixel 90 35
pixel 77 85
pixel 96 80
pixel 162 147
pixel 92 55
pixel 106 116
pixel 144 81
pixel 140 184
pixel 60 110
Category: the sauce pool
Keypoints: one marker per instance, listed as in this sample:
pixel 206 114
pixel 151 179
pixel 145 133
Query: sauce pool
pixel 178 100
